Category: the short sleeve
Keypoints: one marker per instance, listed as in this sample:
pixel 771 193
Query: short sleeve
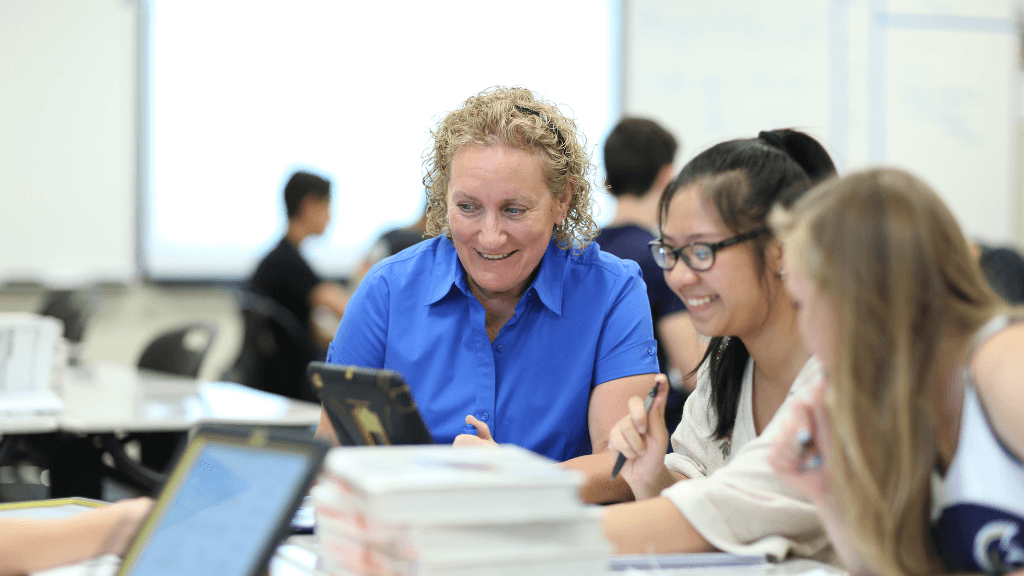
pixel 693 453
pixel 626 346
pixel 745 508
pixel 361 339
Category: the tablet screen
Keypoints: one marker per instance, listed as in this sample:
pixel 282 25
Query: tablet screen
pixel 222 516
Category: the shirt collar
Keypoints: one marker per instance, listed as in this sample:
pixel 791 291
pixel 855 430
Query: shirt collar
pixel 549 281
pixel 448 272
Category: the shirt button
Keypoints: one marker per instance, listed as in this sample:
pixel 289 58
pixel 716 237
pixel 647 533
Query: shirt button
pixel 484 416
pixel 650 351
pixel 500 348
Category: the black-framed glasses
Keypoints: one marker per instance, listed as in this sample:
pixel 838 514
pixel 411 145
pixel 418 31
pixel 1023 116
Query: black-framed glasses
pixel 698 256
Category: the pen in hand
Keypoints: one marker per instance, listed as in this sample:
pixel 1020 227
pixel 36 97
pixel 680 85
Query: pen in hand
pixel 621 460
pixel 804 439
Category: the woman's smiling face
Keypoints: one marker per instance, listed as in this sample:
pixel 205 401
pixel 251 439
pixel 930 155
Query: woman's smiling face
pixel 501 215
pixel 728 299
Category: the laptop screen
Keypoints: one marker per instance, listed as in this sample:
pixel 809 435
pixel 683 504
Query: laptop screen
pixel 223 509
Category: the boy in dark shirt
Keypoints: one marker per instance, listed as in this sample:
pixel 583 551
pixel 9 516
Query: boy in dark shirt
pixel 638 156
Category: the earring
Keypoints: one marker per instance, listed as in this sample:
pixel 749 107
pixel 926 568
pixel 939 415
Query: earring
pixel 782 274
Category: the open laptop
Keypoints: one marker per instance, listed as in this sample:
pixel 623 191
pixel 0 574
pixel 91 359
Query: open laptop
pixel 227 504
pixel 368 407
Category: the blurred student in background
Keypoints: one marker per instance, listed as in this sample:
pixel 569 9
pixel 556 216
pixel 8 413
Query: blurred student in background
pixel 912 449
pixel 1004 268
pixel 717 489
pixel 392 242
pixel 508 324
pixel 638 156
pixel 286 276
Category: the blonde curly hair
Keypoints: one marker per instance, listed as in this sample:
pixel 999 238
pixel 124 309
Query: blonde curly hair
pixel 517 118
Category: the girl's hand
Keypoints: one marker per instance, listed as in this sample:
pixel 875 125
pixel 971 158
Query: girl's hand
pixel 799 453
pixel 642 438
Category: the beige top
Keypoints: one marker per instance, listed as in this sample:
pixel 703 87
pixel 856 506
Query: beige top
pixel 734 498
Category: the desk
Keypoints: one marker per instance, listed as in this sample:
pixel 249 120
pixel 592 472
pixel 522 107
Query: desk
pixel 298 558
pixel 107 398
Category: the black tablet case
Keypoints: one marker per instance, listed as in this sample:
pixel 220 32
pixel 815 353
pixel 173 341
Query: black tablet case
pixel 368 407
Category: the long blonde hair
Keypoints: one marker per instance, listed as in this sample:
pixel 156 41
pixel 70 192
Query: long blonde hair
pixel 890 256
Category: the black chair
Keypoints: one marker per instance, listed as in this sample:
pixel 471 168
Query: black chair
pixel 74 308
pixel 179 351
pixel 19 455
pixel 276 348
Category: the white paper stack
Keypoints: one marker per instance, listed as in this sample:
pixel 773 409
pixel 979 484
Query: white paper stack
pixel 443 511
pixel 33 355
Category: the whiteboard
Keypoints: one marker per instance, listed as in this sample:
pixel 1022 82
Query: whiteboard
pixel 242 96
pixel 931 86
pixel 67 154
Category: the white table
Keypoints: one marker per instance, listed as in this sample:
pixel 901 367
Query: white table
pixel 107 399
pixel 297 556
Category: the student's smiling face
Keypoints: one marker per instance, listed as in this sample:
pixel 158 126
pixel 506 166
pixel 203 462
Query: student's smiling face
pixel 729 299
pixel 501 216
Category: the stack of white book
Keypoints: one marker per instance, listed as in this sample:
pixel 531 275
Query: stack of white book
pixel 444 511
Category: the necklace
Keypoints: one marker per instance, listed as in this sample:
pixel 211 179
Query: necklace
pixel 493 333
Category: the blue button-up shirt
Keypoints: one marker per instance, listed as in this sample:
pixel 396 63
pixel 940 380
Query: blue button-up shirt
pixel 583 321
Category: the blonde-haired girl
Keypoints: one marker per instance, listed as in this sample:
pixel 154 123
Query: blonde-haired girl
pixel 912 451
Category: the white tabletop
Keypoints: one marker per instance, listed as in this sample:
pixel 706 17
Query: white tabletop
pixel 28 424
pixel 111 397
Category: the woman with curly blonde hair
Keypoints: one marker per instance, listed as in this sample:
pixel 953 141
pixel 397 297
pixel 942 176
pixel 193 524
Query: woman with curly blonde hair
pixel 509 325
pixel 912 450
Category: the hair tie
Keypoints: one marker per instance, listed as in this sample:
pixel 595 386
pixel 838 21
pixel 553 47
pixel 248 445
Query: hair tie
pixel 772 139
pixel 551 125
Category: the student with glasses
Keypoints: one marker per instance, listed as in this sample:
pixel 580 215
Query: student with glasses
pixel 716 489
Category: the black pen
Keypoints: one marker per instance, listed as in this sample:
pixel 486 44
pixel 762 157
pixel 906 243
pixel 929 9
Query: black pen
pixel 621 460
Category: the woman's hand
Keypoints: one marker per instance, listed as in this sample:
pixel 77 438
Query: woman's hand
pixel 642 438
pixel 799 453
pixel 482 437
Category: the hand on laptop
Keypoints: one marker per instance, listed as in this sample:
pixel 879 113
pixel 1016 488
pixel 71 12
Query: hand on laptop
pixel 128 516
pixel 482 438
pixel 44 543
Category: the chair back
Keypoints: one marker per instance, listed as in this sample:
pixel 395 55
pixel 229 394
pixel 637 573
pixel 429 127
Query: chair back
pixel 181 350
pixel 276 348
pixel 74 308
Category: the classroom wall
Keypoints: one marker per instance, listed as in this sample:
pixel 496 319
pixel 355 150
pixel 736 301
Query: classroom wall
pixel 932 85
pixel 67 140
